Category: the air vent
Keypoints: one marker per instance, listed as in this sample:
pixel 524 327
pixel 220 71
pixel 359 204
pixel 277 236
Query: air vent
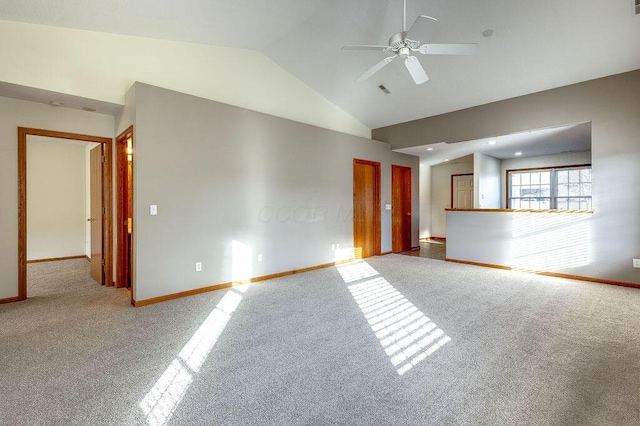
pixel 637 7
pixel 387 91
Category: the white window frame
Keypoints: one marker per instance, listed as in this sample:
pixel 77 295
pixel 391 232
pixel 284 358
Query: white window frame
pixel 553 184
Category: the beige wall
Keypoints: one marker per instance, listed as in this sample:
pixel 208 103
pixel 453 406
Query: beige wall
pixel 612 105
pixel 14 113
pixel 231 184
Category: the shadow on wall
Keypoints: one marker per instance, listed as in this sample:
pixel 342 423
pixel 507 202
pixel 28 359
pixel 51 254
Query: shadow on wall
pixel 550 241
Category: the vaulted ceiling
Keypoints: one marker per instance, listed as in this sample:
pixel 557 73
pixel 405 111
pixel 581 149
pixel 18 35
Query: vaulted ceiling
pixel 536 45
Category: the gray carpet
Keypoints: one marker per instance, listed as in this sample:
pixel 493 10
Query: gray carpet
pixel 396 340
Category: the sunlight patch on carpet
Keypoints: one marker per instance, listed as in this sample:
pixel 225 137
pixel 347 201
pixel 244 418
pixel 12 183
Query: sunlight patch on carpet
pixel 406 334
pixel 161 401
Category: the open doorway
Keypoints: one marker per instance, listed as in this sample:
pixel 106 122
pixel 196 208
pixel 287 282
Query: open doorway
pixel 97 248
pixel 124 207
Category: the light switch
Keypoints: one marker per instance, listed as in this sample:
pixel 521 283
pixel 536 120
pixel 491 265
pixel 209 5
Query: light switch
pixel 387 206
pixel 153 209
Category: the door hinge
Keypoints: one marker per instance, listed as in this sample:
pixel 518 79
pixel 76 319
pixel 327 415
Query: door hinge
pixel 104 211
pixel 102 262
pixel 103 159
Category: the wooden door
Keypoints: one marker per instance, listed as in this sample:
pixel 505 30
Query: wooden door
pixel 401 208
pixel 366 208
pixel 95 165
pixel 462 191
pixel 124 209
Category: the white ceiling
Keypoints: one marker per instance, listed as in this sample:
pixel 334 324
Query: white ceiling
pixel 536 45
pixel 531 143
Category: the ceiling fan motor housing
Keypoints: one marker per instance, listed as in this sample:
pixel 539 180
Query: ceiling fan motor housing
pixel 399 41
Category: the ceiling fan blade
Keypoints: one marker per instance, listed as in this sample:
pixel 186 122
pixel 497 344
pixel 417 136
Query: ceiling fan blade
pixel 415 69
pixel 419 23
pixel 363 47
pixel 377 67
pixel 448 49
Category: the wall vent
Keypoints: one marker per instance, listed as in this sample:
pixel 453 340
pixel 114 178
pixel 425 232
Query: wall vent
pixel 387 91
pixel 637 7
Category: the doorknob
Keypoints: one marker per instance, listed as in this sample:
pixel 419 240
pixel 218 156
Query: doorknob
pixel 90 220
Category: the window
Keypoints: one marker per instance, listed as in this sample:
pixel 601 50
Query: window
pixel 565 188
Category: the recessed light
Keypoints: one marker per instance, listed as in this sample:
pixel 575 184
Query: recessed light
pixel 487 33
pixel 429 149
pixel 518 153
pixel 89 109
pixel 492 142
pixel 446 159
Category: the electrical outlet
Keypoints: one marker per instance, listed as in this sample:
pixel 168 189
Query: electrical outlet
pixel 260 257
pixel 198 266
pixel 636 263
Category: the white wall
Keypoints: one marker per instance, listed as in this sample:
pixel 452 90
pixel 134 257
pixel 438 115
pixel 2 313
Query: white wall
pixel 15 113
pixel 441 191
pixel 556 160
pixel 487 182
pixel 56 195
pixel 425 201
pixel 231 184
pixel 103 66
pixel 541 241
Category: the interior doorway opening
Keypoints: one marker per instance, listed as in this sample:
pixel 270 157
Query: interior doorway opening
pixel 98 224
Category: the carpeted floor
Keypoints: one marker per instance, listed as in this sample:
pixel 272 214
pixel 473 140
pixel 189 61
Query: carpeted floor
pixel 393 340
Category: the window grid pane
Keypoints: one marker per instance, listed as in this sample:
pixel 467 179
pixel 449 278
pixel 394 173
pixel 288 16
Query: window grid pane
pixel 565 189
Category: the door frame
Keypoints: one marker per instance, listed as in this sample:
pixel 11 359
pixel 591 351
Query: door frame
pixel 122 255
pixel 451 185
pixel 378 215
pixel 403 169
pixel 107 235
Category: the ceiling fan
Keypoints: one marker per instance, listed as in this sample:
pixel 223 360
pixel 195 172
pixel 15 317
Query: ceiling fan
pixel 402 44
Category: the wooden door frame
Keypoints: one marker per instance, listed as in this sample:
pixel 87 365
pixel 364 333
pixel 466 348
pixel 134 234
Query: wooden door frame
pixel 122 258
pixel 393 189
pixel 378 215
pixel 107 235
pixel 456 175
